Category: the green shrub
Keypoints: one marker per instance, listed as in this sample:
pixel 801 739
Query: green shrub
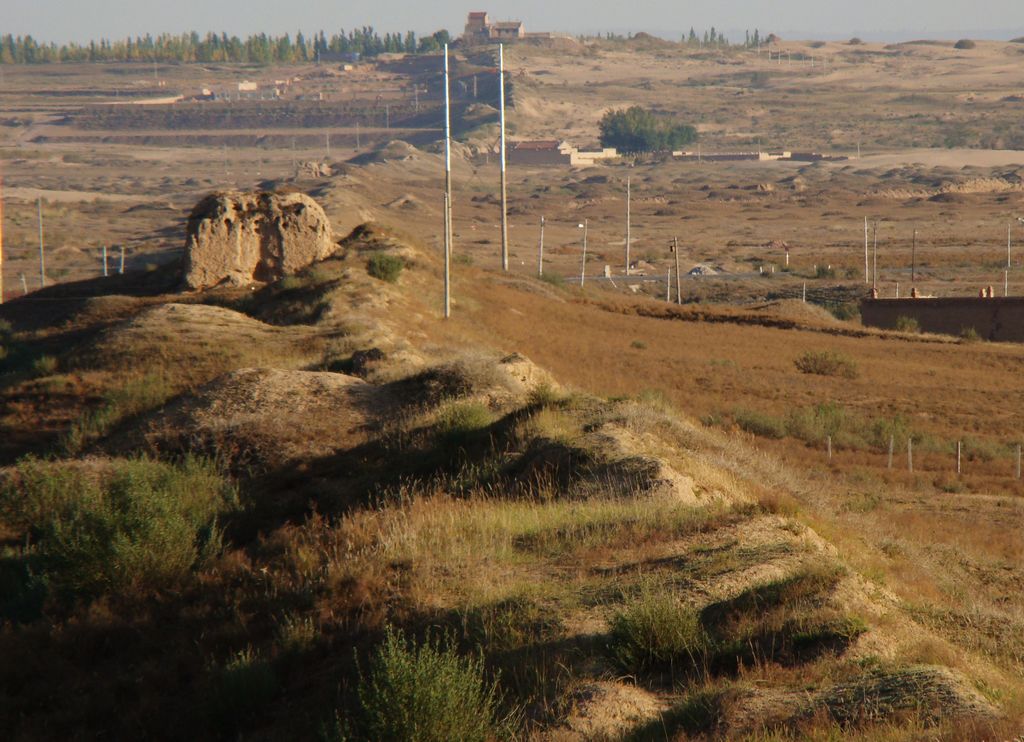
pixel 969 335
pixel 636 129
pixel 458 421
pixel 964 44
pixel 825 271
pixel 44 366
pixel 427 693
pixel 826 363
pixel 814 424
pixel 657 631
pixel 907 324
pixel 241 690
pixel 554 279
pixel 760 424
pixel 848 311
pixel 133 525
pixel 638 345
pixel 134 396
pixel 385 267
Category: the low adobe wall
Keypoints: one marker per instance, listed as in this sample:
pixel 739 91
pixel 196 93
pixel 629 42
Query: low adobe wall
pixel 1000 318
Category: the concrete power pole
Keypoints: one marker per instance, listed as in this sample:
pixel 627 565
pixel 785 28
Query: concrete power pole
pixel 447 192
pixel 1 239
pixel 865 250
pixel 540 250
pixel 913 261
pixel 627 224
pixel 679 288
pixel 504 195
pixel 583 263
pixel 42 257
pixel 874 258
pixel 1006 273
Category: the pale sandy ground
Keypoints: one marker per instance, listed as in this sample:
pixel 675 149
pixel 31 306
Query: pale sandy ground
pixel 952 158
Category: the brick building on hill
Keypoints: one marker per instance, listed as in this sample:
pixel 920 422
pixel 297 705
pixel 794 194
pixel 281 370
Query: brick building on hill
pixel 480 30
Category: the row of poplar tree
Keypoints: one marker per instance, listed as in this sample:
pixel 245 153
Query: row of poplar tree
pixel 191 47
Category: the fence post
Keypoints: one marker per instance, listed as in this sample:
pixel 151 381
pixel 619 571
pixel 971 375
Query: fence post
pixel 1018 461
pixel 892 446
pixel 910 455
pixel 958 457
pixel 829 448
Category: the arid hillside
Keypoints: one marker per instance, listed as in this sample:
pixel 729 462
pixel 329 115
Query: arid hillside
pixel 287 509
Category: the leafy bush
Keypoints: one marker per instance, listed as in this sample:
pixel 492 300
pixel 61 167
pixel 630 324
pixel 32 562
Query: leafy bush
pixel 242 688
pixel 826 363
pixel 638 130
pixel 969 335
pixel 964 44
pixel 427 693
pixel 133 525
pixel 385 267
pixel 907 324
pixel 760 424
pixel 846 312
pixel 458 421
pixel 44 366
pixel 134 396
pixel 554 279
pixel 825 271
pixel 658 632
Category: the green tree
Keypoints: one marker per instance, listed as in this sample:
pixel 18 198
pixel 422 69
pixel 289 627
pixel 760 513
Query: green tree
pixel 636 129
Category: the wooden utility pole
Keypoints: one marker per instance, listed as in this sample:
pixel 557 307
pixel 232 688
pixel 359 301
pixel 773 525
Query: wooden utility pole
pixel 105 273
pixel 504 195
pixel 42 257
pixel 583 263
pixel 120 269
pixel 540 250
pixel 679 288
pixel 447 191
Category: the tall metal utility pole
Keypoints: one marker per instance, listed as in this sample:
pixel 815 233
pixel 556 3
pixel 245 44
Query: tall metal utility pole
pixel 540 250
pixel 679 288
pixel 865 249
pixel 1 239
pixel 42 259
pixel 874 259
pixel 1006 273
pixel 447 192
pixel 504 201
pixel 913 261
pixel 627 224
pixel 583 263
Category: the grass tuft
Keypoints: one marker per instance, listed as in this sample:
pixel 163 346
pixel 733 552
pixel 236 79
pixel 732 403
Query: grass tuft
pixel 827 363
pixel 427 693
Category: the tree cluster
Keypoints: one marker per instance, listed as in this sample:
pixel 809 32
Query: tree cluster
pixel 636 129
pixel 191 47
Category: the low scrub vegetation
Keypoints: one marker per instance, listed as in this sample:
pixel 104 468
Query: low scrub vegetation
pixel 827 363
pixel 129 526
pixel 907 324
pixel 784 621
pixel 385 267
pixel 428 692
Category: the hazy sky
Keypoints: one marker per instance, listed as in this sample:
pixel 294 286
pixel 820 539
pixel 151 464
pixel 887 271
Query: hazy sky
pixel 63 20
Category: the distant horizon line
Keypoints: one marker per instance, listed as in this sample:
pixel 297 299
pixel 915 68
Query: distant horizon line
pixel 734 35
